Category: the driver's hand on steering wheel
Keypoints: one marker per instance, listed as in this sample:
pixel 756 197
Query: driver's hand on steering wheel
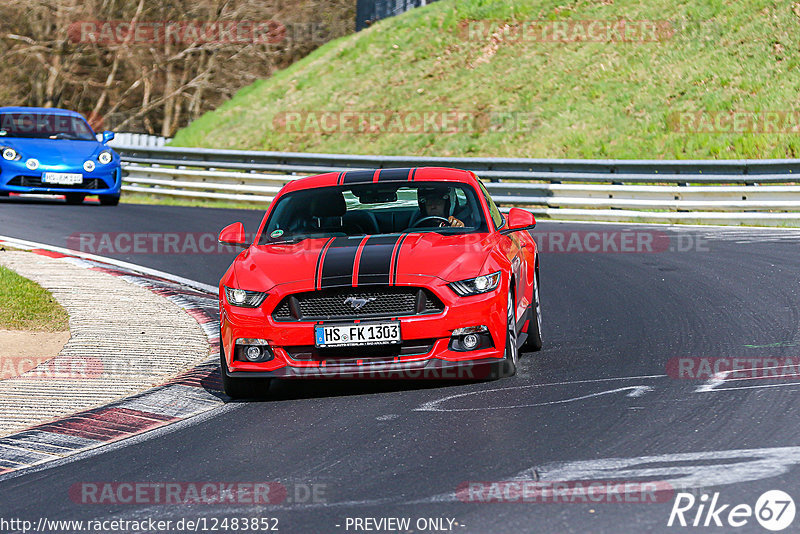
pixel 454 222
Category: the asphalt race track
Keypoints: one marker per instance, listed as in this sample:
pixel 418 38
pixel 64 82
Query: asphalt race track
pixel 602 401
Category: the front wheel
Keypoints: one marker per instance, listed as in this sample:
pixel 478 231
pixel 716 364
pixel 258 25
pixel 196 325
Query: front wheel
pixel 240 388
pixel 108 200
pixel 508 367
pixel 534 341
pixel 74 198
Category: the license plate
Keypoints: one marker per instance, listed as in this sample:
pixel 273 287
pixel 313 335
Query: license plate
pixel 62 178
pixel 351 335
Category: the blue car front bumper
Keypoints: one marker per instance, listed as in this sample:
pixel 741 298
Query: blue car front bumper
pixel 16 178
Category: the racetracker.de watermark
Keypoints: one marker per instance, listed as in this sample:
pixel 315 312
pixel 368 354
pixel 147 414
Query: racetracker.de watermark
pixel 150 243
pixel 194 32
pixel 58 368
pixel 203 493
pixel 404 122
pixel 702 368
pixel 568 31
pixel 729 122
pixel 623 241
pixel 565 492
pixel 547 241
pixel 35 123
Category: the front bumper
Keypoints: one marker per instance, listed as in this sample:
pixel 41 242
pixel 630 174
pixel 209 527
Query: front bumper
pixel 287 339
pixel 16 178
pixel 430 369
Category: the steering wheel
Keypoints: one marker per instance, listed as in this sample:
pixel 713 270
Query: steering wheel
pixel 446 221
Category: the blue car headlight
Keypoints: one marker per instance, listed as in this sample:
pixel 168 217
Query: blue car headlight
pixel 9 154
pixel 477 285
pixel 105 157
pixel 244 298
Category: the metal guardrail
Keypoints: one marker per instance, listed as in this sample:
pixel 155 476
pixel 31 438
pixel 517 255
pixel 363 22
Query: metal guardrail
pixel 719 191
pixel 136 139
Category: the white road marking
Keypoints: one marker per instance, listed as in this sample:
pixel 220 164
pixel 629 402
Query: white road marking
pixel 565 383
pixel 711 385
pixel 710 468
pixel 433 406
pixel 723 468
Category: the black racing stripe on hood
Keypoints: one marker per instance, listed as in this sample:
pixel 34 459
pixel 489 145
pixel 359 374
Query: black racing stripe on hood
pixel 396 257
pixel 319 260
pixel 376 259
pixel 337 267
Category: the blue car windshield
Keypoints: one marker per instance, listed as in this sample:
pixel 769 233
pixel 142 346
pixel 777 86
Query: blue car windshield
pixel 44 126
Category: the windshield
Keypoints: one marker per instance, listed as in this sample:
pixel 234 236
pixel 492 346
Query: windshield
pixel 44 126
pixel 368 209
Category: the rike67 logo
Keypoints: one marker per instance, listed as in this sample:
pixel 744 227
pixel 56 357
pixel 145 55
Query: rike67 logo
pixel 774 510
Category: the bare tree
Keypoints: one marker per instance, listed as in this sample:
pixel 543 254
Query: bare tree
pixel 151 65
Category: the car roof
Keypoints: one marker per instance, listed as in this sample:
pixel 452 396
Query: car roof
pixel 400 175
pixel 51 111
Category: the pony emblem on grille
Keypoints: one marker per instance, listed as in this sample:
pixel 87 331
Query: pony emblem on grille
pixel 358 303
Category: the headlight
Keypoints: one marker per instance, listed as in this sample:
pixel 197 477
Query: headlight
pixel 105 157
pixel 32 164
pixel 88 166
pixel 244 298
pixel 476 286
pixel 10 154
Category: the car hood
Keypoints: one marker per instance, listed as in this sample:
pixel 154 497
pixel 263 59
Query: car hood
pixel 381 259
pixel 62 150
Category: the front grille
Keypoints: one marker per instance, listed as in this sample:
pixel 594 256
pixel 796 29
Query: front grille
pixel 350 355
pixel 36 181
pixel 384 302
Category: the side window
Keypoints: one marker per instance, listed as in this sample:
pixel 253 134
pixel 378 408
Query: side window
pixel 461 198
pixel 497 217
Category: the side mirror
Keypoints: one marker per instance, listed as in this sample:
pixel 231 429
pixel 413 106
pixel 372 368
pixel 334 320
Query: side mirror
pixel 519 219
pixel 233 234
pixel 108 136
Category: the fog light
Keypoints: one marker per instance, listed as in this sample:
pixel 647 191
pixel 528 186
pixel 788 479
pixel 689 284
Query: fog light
pixel 252 350
pixel 253 353
pixel 470 338
pixel 470 341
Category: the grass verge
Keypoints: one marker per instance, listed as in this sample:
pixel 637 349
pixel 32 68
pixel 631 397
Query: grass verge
pixel 28 306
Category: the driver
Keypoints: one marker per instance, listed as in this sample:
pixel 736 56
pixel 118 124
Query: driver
pixel 435 202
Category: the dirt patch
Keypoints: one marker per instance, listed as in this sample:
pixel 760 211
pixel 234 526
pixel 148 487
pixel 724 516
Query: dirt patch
pixel 21 351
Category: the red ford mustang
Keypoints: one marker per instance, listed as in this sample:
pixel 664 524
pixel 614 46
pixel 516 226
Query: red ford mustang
pixel 393 273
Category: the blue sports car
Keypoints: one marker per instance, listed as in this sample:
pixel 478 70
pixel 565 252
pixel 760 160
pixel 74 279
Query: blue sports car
pixel 55 151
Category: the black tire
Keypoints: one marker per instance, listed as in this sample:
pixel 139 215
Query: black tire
pixel 3 193
pixel 75 198
pixel 533 343
pixel 241 388
pixel 109 200
pixel 508 367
